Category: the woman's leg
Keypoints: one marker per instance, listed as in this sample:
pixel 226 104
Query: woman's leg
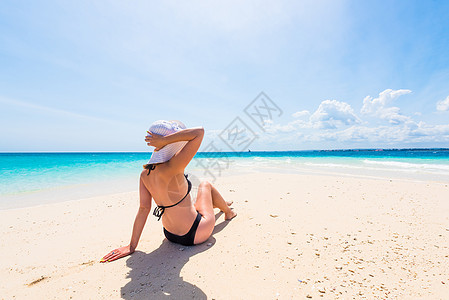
pixel 219 202
pixel 207 198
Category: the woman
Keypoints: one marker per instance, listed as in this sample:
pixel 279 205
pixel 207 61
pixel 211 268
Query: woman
pixel 164 181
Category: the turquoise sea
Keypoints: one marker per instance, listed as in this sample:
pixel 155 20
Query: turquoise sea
pixel 28 179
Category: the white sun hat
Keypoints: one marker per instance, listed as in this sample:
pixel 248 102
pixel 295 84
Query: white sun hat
pixel 163 127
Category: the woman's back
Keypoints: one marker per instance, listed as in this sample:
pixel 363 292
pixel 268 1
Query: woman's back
pixel 167 188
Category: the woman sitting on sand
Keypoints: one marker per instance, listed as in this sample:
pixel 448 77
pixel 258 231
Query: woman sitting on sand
pixel 163 180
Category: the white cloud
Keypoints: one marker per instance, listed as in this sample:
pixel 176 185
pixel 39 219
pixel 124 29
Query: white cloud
pixel 443 105
pixel 289 127
pixel 378 107
pixel 335 121
pixel 435 132
pixel 371 105
pixel 382 135
pixel 379 134
pixel 301 114
pixel 333 114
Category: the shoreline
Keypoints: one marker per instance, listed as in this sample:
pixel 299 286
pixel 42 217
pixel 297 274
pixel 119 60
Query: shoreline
pixel 295 235
pixel 129 185
pixel 68 176
pixel 318 174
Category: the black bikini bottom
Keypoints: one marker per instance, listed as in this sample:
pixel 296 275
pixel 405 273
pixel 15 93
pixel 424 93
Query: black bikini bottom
pixel 186 239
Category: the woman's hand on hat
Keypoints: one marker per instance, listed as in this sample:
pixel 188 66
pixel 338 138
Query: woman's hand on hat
pixel 155 140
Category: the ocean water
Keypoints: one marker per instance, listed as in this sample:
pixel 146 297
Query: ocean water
pixel 28 179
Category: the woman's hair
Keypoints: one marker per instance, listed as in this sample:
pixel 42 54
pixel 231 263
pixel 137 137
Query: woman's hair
pixel 149 167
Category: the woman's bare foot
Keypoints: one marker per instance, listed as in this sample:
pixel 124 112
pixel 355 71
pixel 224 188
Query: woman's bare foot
pixel 228 203
pixel 231 214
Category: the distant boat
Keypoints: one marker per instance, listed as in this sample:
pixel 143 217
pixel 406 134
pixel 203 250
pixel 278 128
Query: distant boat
pixel 249 150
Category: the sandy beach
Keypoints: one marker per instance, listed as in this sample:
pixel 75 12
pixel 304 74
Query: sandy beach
pixel 295 237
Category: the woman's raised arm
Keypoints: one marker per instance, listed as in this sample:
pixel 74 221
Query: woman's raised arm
pixel 194 137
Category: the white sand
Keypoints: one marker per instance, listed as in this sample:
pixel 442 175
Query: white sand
pixel 294 236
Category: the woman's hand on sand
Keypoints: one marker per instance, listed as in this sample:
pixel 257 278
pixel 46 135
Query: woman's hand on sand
pixel 155 140
pixel 117 253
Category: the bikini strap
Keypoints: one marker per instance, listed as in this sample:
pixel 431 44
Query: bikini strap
pixel 149 167
pixel 158 212
pixel 160 209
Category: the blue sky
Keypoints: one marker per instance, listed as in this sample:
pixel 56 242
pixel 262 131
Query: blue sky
pixel 93 75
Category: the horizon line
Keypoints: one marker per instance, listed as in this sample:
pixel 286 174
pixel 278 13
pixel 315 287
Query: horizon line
pixel 248 151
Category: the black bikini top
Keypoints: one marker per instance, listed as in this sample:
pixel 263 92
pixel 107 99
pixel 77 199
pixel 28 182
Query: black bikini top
pixel 159 210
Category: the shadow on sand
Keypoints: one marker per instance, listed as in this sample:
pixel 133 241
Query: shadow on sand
pixel 156 275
